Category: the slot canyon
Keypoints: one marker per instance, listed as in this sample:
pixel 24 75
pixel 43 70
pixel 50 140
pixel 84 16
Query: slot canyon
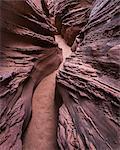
pixel 60 75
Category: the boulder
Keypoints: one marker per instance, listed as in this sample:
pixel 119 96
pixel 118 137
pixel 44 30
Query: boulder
pixel 88 86
pixel 28 53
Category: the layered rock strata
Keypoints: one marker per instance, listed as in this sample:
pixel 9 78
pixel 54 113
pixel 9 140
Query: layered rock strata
pixel 50 4
pixel 28 53
pixel 70 17
pixel 88 87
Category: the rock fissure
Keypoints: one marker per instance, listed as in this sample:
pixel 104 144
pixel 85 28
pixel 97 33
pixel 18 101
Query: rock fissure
pixel 85 112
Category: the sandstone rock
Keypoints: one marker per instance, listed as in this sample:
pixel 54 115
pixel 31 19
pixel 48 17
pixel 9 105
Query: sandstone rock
pixel 70 17
pixel 88 86
pixel 50 4
pixel 28 53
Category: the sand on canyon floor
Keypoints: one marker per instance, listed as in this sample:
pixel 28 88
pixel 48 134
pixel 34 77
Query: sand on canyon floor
pixel 41 133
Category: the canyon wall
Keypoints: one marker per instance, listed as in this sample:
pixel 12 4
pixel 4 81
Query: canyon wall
pixel 28 53
pixel 88 86
pixel 70 17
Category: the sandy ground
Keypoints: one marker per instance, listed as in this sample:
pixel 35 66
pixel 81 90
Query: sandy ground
pixel 63 45
pixel 41 133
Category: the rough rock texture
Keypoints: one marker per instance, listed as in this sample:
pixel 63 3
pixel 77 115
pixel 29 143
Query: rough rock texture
pixel 88 87
pixel 28 53
pixel 50 5
pixel 70 17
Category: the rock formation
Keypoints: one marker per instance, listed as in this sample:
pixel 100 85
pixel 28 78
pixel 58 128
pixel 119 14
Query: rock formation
pixel 28 53
pixel 50 4
pixel 70 17
pixel 88 87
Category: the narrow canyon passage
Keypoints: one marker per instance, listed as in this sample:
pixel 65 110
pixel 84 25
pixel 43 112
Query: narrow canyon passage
pixel 41 133
pixel 54 96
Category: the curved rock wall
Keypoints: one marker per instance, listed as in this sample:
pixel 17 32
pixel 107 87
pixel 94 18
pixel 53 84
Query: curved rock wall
pixel 28 53
pixel 89 84
pixel 70 17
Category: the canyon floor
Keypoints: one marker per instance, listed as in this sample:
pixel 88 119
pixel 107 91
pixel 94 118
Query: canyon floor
pixel 41 133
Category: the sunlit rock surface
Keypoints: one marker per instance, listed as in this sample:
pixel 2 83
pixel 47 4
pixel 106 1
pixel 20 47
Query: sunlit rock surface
pixel 28 53
pixel 88 87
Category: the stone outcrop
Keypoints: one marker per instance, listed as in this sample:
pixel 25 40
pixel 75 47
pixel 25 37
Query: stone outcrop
pixel 88 87
pixel 70 17
pixel 28 53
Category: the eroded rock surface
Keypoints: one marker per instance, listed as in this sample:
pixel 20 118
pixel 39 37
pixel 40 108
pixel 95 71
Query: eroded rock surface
pixel 70 17
pixel 28 53
pixel 88 87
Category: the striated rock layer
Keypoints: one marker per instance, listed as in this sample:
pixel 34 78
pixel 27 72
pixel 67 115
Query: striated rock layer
pixel 88 87
pixel 50 4
pixel 70 17
pixel 28 53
